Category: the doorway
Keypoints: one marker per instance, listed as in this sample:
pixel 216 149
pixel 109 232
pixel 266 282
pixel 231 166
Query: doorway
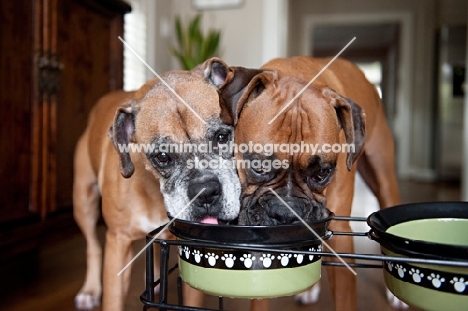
pixel 380 37
pixel 376 53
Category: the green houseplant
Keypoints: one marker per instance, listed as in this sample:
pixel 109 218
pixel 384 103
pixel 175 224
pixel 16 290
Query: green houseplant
pixel 193 47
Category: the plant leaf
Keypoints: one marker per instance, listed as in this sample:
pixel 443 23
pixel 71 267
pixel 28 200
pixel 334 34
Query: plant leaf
pixel 212 44
pixel 193 46
pixel 195 26
pixel 179 32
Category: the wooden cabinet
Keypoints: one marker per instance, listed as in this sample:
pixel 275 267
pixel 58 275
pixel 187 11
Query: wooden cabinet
pixel 16 95
pixel 57 58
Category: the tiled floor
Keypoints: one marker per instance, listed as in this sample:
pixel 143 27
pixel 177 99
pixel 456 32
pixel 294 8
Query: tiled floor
pixel 62 266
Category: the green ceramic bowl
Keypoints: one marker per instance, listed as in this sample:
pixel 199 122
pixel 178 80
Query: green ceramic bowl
pixel 247 273
pixel 436 230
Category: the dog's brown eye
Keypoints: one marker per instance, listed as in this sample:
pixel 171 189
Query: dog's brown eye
pixel 163 157
pixel 321 175
pixel 222 138
pixel 258 169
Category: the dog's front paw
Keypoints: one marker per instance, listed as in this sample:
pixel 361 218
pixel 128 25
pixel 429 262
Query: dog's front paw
pixel 87 301
pixel 395 302
pixel 308 297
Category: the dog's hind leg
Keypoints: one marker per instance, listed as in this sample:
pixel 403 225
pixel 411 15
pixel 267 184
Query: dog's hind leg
pixel 192 297
pixel 259 304
pixel 310 296
pixel 378 171
pixel 86 212
pixel 377 165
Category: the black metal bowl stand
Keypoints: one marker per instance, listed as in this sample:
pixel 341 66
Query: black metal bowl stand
pixel 148 296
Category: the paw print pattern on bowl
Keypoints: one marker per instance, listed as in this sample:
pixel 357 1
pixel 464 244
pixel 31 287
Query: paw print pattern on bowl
pixel 401 270
pixel 299 258
pixel 197 255
pixel 212 258
pixel 267 260
pixel 417 275
pixel 311 257
pixel 248 260
pixel 229 260
pixel 284 259
pixel 459 284
pixel 436 280
pixel 187 252
pixel 245 260
pixel 440 281
pixel 312 249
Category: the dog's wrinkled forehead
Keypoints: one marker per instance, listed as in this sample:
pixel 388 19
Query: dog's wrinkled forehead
pixel 307 117
pixel 178 112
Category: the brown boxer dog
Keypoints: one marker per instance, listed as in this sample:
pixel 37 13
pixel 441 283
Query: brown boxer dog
pixel 340 107
pixel 151 182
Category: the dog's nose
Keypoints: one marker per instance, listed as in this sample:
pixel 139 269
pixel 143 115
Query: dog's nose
pixel 211 190
pixel 282 214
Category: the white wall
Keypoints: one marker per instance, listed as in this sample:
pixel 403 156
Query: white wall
pixel 251 34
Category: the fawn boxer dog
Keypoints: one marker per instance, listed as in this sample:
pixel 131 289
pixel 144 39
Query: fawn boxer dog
pixel 149 184
pixel 339 107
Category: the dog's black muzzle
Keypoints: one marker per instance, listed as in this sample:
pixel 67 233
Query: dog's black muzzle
pixel 209 201
pixel 269 210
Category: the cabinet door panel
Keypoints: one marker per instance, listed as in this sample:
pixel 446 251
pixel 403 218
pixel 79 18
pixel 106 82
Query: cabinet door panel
pixel 16 94
pixel 86 45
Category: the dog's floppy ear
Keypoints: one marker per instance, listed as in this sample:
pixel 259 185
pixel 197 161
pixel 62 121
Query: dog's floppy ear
pixel 246 85
pixel 353 121
pixel 230 82
pixel 215 71
pixel 237 80
pixel 121 134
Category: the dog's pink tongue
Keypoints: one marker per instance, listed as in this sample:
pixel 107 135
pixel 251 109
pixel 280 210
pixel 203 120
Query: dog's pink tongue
pixel 209 220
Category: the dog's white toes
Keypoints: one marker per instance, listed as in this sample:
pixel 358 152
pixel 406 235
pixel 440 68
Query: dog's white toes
pixel 395 302
pixel 85 301
pixel 310 296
